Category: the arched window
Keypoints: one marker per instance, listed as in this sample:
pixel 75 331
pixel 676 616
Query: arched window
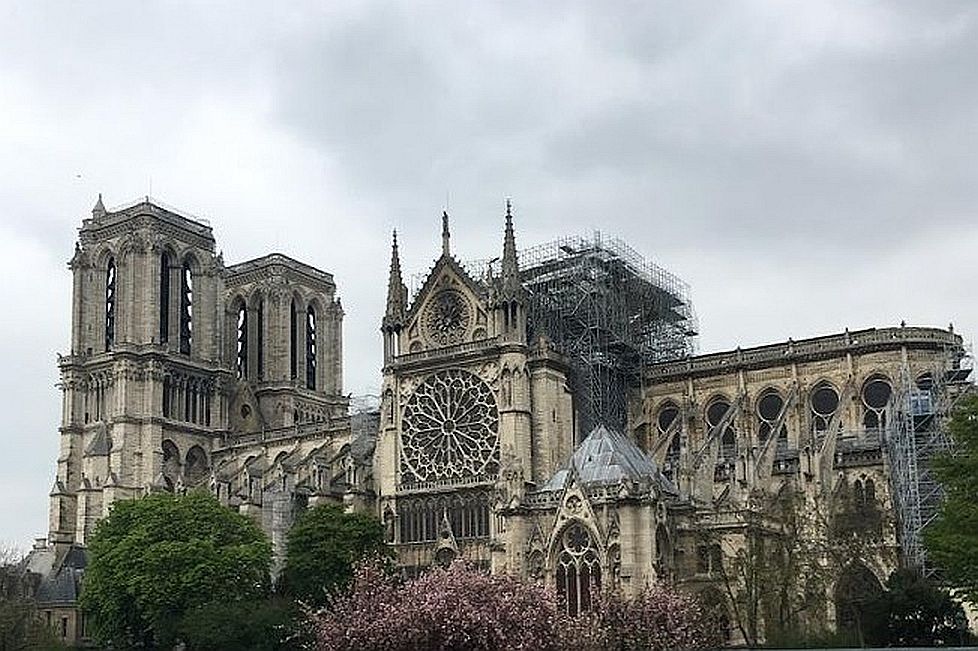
pixel 855 589
pixel 876 397
pixel 260 339
pixel 578 569
pixel 294 341
pixel 186 308
pixel 716 412
pixel 167 397
pixel 769 407
pixel 665 421
pixel 310 348
pixel 824 403
pixel 196 470
pixel 164 307
pixel 110 300
pixel 242 341
pixel 171 463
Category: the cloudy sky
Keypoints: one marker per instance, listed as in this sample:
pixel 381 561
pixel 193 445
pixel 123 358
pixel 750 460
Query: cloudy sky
pixel 805 166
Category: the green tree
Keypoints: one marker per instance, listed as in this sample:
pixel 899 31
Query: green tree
pixel 157 558
pixel 913 611
pixel 324 544
pixel 21 626
pixel 952 539
pixel 263 625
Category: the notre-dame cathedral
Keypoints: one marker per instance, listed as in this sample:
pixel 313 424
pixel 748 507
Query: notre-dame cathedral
pixel 542 412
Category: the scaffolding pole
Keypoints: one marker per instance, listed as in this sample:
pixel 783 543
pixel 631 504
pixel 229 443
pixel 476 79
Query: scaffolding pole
pixel 916 434
pixel 609 311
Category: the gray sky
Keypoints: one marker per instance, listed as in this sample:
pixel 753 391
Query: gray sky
pixel 805 166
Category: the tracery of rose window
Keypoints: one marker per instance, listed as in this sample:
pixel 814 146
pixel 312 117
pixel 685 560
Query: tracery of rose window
pixel 450 430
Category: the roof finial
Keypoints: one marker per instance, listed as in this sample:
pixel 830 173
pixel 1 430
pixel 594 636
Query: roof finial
pixel 512 289
pixel 99 209
pixel 445 234
pixel 396 291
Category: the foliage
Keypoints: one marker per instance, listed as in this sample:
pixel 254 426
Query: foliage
pixel 157 558
pixel 952 539
pixel 914 612
pixel 657 618
pixel 257 625
pixel 324 544
pixel 461 608
pixel 21 626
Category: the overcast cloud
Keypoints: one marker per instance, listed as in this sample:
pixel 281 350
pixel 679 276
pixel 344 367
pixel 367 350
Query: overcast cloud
pixel 806 167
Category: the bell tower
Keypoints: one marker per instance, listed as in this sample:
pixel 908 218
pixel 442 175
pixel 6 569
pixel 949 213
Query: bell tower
pixel 146 286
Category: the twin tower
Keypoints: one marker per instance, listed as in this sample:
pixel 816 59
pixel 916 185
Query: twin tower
pixel 175 355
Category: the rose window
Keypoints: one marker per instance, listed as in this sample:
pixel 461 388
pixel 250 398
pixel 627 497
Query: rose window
pixel 446 317
pixel 450 430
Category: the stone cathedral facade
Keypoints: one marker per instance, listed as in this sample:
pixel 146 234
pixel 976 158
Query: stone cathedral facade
pixel 186 372
pixel 727 466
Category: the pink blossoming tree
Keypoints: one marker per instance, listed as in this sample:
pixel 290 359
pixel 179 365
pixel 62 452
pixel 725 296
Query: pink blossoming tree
pixel 460 608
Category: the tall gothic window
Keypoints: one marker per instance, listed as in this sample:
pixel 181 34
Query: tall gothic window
pixel 310 348
pixel 578 569
pixel 186 308
pixel 260 332
pixel 876 398
pixel 164 298
pixel 293 341
pixel 242 345
pixel 824 403
pixel 110 298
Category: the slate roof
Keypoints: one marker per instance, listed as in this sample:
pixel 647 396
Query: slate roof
pixel 62 583
pixel 606 457
pixel 101 444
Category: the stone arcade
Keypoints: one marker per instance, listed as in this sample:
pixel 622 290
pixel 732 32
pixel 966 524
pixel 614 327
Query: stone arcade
pixel 500 437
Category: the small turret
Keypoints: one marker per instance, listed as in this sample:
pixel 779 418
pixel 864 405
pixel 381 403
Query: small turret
pixel 98 210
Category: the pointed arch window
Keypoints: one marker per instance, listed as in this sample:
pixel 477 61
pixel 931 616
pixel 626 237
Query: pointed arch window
pixel 310 348
pixel 164 307
pixel 294 341
pixel 110 301
pixel 824 403
pixel 186 308
pixel 242 342
pixel 260 338
pixel 578 569
pixel 876 399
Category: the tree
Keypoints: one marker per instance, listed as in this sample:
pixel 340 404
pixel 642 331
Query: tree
pixel 157 558
pixel 324 544
pixel 246 626
pixel 20 625
pixel 952 539
pixel 657 618
pixel 462 608
pixel 914 612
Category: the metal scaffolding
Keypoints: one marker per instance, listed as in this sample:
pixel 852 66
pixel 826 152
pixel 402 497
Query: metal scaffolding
pixel 923 403
pixel 609 311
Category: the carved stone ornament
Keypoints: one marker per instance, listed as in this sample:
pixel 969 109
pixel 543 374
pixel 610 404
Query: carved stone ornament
pixel 446 317
pixel 450 429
